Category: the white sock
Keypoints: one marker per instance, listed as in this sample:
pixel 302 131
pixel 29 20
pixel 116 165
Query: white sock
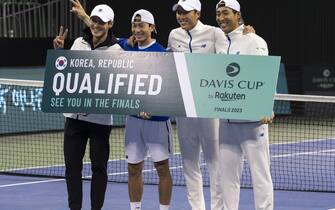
pixel 135 205
pixel 164 207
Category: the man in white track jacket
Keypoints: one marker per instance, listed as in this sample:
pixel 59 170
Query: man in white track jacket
pixel 237 137
pixel 195 37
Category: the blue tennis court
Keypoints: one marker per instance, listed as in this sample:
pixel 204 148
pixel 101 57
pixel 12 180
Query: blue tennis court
pixel 28 192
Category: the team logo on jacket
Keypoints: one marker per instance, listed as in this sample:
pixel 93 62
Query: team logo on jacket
pixel 61 63
pixel 233 69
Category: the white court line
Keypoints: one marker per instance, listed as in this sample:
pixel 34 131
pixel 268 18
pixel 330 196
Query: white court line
pixel 30 168
pixel 303 153
pixel 28 183
pixel 49 166
pixel 303 141
pixel 36 182
pixel 52 180
pixel 151 170
pixel 56 180
pixel 287 155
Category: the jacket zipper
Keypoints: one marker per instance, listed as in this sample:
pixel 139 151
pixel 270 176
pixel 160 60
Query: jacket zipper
pixel 190 43
pixel 229 40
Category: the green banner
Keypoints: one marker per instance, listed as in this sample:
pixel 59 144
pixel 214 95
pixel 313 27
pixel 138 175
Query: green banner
pixel 166 84
pixel 228 85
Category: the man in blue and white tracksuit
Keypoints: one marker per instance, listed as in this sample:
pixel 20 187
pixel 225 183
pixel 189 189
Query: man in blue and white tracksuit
pixel 197 133
pixel 240 138
pixel 144 133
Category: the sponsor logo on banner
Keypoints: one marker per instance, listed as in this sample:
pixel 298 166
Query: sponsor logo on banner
pixel 233 69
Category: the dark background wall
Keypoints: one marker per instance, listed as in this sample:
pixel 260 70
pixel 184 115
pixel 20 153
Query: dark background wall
pixel 301 32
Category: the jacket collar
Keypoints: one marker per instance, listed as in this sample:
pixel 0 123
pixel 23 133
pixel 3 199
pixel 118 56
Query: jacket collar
pixel 238 31
pixel 110 40
pixel 198 27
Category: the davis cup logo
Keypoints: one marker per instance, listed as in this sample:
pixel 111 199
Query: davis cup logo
pixel 61 63
pixel 326 73
pixel 233 69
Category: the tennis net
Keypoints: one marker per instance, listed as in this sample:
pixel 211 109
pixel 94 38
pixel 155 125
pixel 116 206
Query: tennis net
pixel 302 141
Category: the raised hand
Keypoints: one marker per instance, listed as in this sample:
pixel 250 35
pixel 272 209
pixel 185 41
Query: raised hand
pixel 58 42
pixel 79 11
pixel 249 29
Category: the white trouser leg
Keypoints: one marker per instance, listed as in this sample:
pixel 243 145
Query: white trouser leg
pixel 258 156
pixel 231 164
pixel 210 148
pixel 190 152
pixel 192 131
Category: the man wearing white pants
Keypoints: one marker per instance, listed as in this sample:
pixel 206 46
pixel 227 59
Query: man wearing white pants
pixel 194 37
pixel 243 138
